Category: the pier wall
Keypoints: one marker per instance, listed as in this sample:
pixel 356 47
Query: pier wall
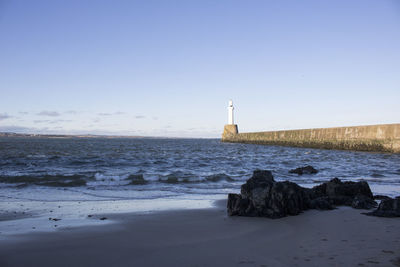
pixel 378 138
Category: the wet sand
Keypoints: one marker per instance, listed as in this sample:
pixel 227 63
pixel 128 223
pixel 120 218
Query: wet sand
pixel 208 237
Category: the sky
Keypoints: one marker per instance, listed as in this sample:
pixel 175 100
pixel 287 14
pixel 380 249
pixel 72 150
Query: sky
pixel 169 68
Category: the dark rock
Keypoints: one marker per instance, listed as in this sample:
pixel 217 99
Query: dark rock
pixel 341 193
pixel 380 197
pixel 387 208
pixel 260 179
pixel 262 196
pixel 103 218
pixel 237 205
pixel 321 203
pixel 363 202
pixel 304 170
pixel 286 198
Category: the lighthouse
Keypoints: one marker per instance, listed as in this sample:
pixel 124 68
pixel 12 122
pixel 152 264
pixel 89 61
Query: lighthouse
pixel 231 128
pixel 230 112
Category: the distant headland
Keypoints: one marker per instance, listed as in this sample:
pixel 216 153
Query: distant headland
pixel 11 134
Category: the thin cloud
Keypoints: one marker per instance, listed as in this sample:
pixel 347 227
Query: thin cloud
pixel 48 113
pixel 73 112
pixel 58 121
pixel 140 117
pixel 23 113
pixel 4 116
pixel 51 121
pixel 110 114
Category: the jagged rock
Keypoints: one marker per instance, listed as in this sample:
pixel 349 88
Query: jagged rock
pixel 389 207
pixel 341 193
pixel 237 205
pixel 321 203
pixel 262 196
pixel 304 170
pixel 363 202
pixel 260 179
pixel 283 198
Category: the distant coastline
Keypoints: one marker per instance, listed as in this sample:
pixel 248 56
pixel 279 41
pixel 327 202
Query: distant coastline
pixel 11 134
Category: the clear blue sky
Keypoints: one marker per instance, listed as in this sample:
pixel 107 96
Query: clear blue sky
pixel 168 68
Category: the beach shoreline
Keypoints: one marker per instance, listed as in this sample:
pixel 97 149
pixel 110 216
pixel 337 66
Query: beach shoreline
pixel 22 217
pixel 208 237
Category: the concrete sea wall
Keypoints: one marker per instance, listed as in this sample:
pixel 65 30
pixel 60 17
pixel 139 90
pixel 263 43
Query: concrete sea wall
pixel 378 138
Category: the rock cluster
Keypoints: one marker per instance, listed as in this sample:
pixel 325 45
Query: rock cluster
pixel 262 196
pixel 389 207
pixel 337 193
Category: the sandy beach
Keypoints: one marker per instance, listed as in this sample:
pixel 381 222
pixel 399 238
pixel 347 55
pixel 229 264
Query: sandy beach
pixel 208 237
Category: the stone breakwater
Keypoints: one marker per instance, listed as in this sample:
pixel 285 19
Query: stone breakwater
pixel 376 138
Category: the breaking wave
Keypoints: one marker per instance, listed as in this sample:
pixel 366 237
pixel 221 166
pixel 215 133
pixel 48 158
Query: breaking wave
pixel 175 166
pixel 45 180
pixel 219 177
pixel 108 180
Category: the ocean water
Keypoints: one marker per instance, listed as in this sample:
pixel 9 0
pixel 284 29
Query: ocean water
pixel 72 177
pixel 115 168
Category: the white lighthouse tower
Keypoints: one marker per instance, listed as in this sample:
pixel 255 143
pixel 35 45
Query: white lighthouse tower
pixel 230 129
pixel 230 112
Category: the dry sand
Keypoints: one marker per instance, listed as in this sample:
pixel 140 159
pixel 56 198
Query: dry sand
pixel 342 237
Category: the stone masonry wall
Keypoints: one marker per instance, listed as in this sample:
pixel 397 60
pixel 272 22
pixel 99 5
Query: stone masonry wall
pixel 379 138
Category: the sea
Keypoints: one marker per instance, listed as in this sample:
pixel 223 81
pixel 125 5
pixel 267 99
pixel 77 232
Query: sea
pixel 78 180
